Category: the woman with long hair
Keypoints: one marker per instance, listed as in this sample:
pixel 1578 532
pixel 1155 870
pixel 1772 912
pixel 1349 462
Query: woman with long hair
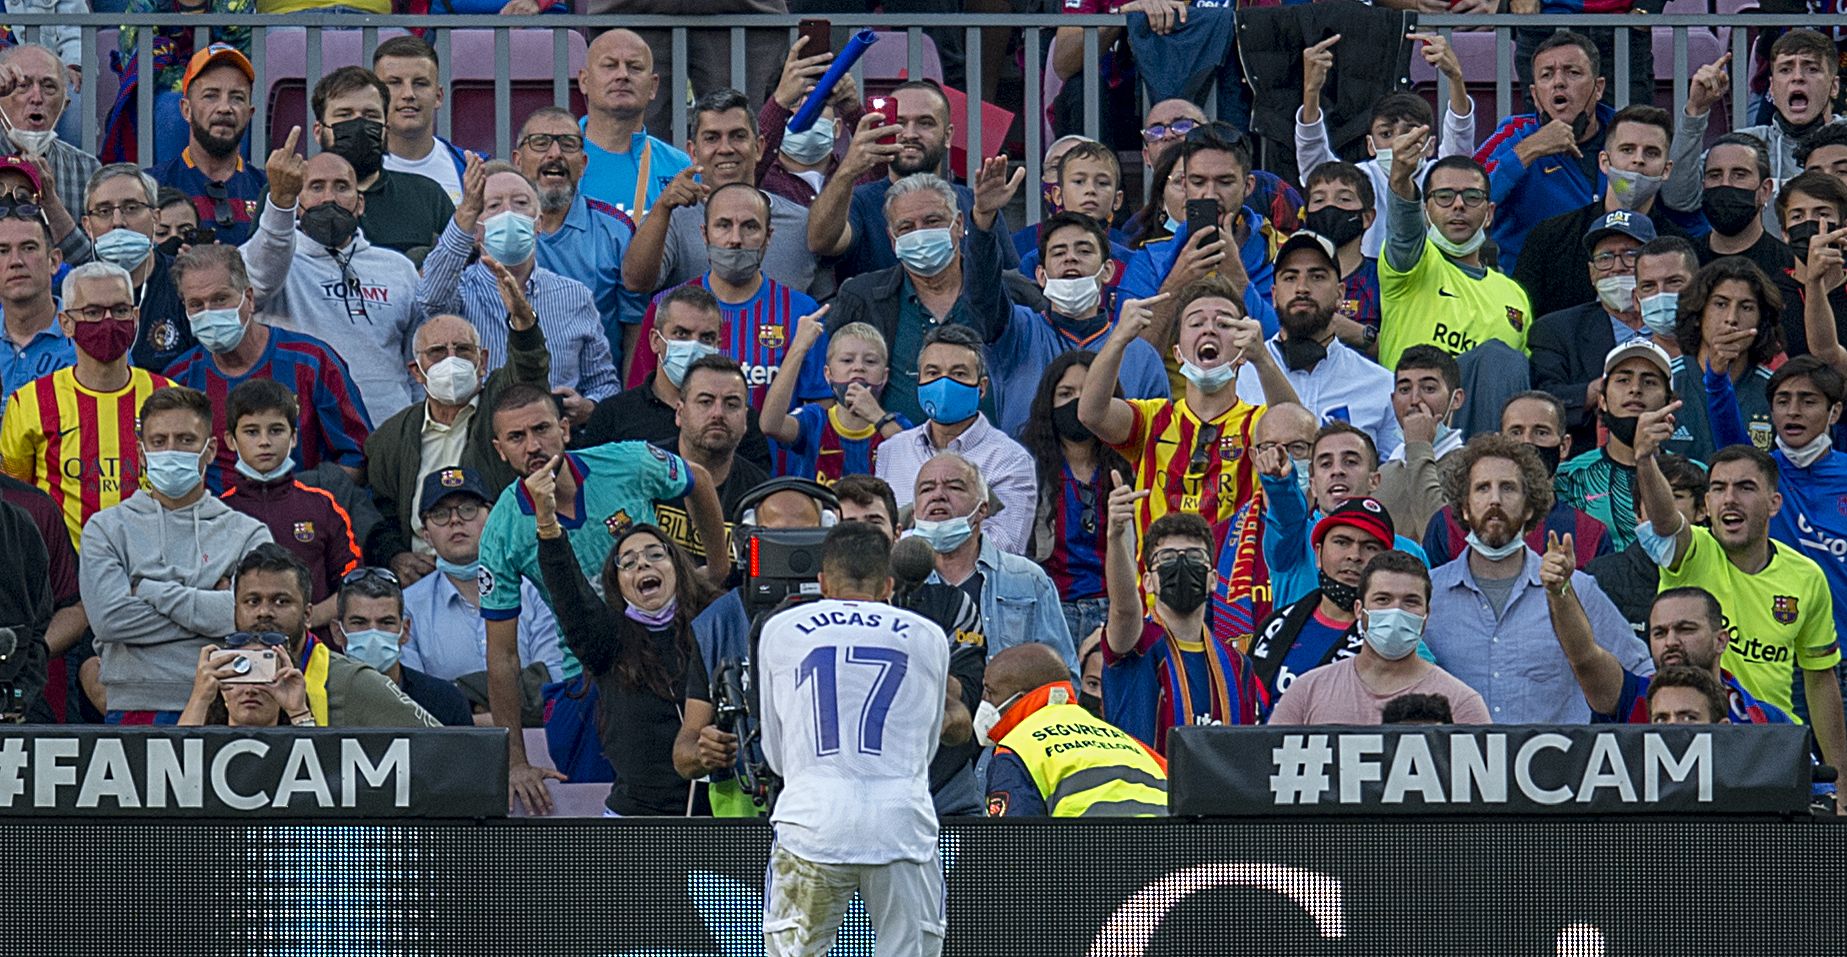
pixel 635 642
pixel 1074 469
pixel 219 698
pixel 1165 210
pixel 1728 324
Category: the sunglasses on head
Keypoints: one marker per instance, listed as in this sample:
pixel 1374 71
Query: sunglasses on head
pixel 221 205
pixel 370 573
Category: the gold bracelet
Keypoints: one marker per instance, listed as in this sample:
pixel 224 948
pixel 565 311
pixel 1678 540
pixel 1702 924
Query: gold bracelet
pixel 548 529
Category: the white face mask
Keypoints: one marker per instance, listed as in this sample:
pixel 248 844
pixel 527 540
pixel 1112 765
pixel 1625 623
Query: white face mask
pixel 35 142
pixel 1806 455
pixel 452 381
pixel 1076 297
pixel 1617 293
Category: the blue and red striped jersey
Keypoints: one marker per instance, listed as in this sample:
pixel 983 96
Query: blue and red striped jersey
pixel 826 452
pixel 230 208
pixel 1359 297
pixel 1632 704
pixel 1078 530
pixel 757 333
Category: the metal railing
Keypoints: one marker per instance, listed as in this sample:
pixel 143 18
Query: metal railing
pixel 1035 41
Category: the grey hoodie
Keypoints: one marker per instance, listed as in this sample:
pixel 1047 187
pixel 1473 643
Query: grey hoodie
pixel 148 581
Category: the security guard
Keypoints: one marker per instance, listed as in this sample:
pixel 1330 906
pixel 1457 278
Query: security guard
pixel 1052 757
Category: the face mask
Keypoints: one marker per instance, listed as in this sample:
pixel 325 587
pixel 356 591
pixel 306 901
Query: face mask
pixel 810 146
pixel 173 473
pixel 1340 226
pixel 35 142
pixel 1208 380
pixel 1074 297
pixel 987 717
pixel 1799 237
pixel 1548 456
pixel 1301 355
pixel 106 340
pixel 1091 703
pixel 947 535
pixel 1659 548
pixel 1172 225
pixel 1301 474
pixel 1808 454
pixel 373 648
pixel 680 354
pixel 1513 547
pixel 925 252
pixel 1338 592
pixel 658 618
pixel 735 266
pixel 126 248
pixel 1633 190
pixel 452 381
pixel 250 471
pixel 508 237
pixel 1456 250
pixel 468 572
pixel 218 330
pixel 1622 427
pixel 361 142
pixel 1066 424
pixel 1660 313
pixel 1393 633
pixel 1183 582
pixel 330 224
pixel 1617 293
pixel 1729 208
pixel 947 401
pixel 840 389
pixel 1384 158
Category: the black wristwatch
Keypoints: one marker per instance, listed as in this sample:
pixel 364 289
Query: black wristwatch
pixel 1370 336
pixel 884 419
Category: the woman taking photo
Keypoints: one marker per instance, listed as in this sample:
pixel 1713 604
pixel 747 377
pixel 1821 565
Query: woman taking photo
pixel 219 698
pixel 635 643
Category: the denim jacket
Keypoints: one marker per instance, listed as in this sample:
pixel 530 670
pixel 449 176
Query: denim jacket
pixel 1019 604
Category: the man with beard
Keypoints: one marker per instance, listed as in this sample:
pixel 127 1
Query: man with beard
pixel 600 493
pixel 408 67
pixel 1319 628
pixel 579 238
pixel 670 247
pixel 215 102
pixel 1541 162
pixel 1332 380
pixel 1601 481
pixel 714 405
pixel 1804 78
pixel 1569 345
pixel 624 165
pixel 849 221
pixel 403 212
pixel 1737 194
pixel 32 99
pixel 1489 620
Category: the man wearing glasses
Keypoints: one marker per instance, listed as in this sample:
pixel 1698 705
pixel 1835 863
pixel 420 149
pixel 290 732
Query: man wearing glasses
pixel 120 217
pixel 215 102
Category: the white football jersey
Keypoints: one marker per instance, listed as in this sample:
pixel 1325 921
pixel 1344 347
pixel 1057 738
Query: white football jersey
pixel 852 697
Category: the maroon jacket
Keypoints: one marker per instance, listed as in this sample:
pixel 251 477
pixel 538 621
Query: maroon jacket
pixel 306 521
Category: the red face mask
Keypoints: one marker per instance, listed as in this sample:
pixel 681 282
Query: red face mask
pixel 105 340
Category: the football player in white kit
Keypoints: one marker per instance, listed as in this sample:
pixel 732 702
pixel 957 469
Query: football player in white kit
pixel 853 694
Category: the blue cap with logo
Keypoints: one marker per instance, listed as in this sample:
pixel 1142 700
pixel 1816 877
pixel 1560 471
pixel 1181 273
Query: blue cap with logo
pixel 1625 222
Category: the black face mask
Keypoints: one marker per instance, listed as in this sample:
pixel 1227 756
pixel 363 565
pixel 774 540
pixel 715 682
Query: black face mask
pixel 1183 582
pixel 361 142
pixel 1338 592
pixel 1620 426
pixel 329 224
pixel 1799 237
pixel 1340 226
pixel 1548 456
pixel 1580 125
pixel 1065 423
pixel 1300 354
pixel 1091 703
pixel 1729 208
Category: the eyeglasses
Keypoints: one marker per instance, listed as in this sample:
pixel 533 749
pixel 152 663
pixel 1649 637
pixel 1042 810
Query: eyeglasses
pixel 1472 198
pixel 1166 555
pixel 1296 450
pixel 1607 260
pixel 568 142
pixel 129 210
pixel 465 512
pixel 653 555
pixel 1087 506
pixel 1156 132
pixel 1203 444
pixel 443 350
pixel 221 206
pixel 369 573
pixel 238 639
pixel 120 310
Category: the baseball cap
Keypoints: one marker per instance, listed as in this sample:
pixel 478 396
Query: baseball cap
pixel 23 168
pixel 1626 222
pixel 443 483
pixel 213 55
pixel 1307 239
pixel 1365 514
pixel 1643 348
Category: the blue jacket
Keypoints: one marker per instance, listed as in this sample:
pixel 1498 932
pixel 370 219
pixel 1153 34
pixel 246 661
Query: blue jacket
pixel 1149 267
pixel 1288 542
pixel 1525 196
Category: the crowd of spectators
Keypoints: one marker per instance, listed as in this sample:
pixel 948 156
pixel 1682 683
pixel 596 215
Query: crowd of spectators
pixel 1447 430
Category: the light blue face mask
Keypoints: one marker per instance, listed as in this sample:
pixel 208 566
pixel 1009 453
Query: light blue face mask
pixel 1513 546
pixel 126 248
pixel 1393 633
pixel 947 401
pixel 1172 224
pixel 509 237
pixel 468 572
pixel 947 535
pixel 173 472
pixel 1209 380
pixel 376 649
pixel 218 330
pixel 680 354
pixel 810 146
pixel 1659 548
pixel 250 471
pixel 925 252
pixel 1660 312
pixel 1301 474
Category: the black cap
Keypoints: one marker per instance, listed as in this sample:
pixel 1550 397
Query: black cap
pixel 443 483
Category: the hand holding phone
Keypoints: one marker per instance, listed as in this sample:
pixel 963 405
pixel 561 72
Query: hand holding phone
pixel 887 107
pixel 819 34
pixel 1201 214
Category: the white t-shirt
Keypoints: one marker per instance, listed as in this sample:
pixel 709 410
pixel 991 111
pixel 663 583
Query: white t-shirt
pixel 853 697
pixel 438 165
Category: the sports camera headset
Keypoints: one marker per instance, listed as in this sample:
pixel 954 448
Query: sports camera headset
pixel 746 510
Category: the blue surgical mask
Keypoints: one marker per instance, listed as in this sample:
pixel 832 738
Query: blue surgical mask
pixel 947 535
pixel 249 471
pixel 1393 633
pixel 1209 380
pixel 173 472
pixel 508 237
pixel 219 330
pixel 1659 548
pixel 126 248
pixel 1301 474
pixel 1513 546
pixel 947 401
pixel 373 648
pixel 470 571
pixel 925 252
pixel 682 353
pixel 810 146
pixel 1659 313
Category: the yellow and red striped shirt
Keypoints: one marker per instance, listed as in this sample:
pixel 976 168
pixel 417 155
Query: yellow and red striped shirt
pixel 78 445
pixel 1161 449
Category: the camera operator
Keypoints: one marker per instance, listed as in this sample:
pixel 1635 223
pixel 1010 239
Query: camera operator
pixel 25 611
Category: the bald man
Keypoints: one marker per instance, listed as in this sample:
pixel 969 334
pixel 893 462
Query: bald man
pixel 625 166
pixel 708 52
pixel 448 428
pixel 325 279
pixel 1051 757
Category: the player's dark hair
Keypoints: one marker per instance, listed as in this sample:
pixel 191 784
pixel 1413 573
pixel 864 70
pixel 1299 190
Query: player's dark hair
pixel 1335 427
pixel 1698 679
pixel 340 82
pixel 520 395
pixel 858 554
pixel 1549 400
pixel 1816 184
pixel 1401 106
pixel 1571 38
pixel 1693 299
pixel 1185 525
pixel 1151 219
pixel 1346 174
pixel 1824 377
pixel 866 490
pixel 1430 357
pixel 1670 246
pixel 721 364
pixel 1462 161
pixel 1831 134
pixel 1753 143
pixel 1644 114
pixel 1683 474
pixel 722 100
pixel 271 557
pixel 1746 453
pixel 176 398
pixel 1065 218
pixel 370 586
